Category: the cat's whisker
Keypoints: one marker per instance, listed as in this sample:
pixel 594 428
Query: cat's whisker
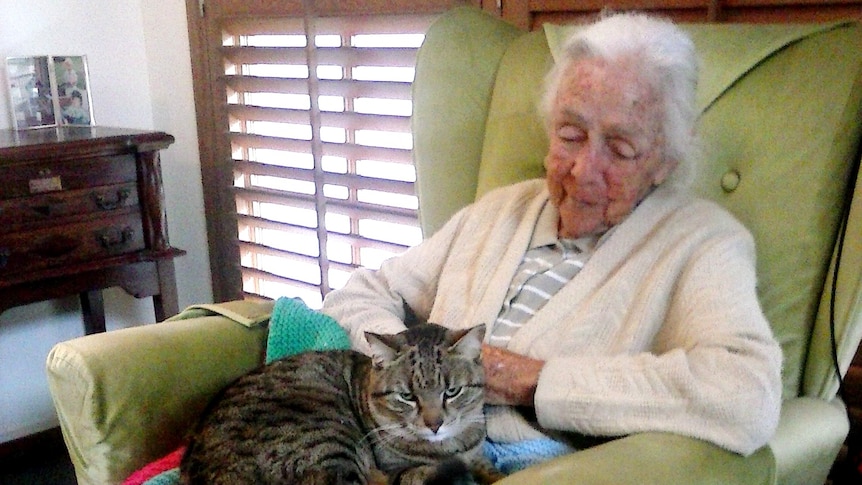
pixel 378 430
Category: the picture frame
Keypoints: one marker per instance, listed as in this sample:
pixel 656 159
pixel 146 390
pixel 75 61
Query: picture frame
pixel 49 91
pixel 73 104
pixel 30 92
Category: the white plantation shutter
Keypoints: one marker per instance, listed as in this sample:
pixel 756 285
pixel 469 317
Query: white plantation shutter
pixel 318 115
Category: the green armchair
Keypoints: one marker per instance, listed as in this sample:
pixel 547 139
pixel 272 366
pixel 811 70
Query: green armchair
pixel 782 109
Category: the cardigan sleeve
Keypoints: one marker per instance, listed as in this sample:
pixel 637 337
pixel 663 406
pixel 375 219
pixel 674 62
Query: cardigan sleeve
pixel 713 371
pixel 374 300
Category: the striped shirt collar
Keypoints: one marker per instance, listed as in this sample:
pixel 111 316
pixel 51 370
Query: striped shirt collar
pixel 545 232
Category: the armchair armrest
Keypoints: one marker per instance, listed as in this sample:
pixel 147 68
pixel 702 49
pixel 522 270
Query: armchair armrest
pixel 651 458
pixel 809 436
pixel 127 397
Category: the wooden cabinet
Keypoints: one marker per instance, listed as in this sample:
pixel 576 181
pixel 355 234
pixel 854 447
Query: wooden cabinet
pixel 82 209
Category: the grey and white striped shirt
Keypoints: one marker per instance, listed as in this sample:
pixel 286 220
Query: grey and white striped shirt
pixel 548 265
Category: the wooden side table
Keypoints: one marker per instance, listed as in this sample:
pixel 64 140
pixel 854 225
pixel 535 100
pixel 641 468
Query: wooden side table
pixel 81 210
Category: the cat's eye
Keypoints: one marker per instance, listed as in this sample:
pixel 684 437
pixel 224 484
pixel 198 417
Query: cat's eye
pixel 452 392
pixel 406 396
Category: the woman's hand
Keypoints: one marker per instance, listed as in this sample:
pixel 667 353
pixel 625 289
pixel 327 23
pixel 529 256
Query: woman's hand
pixel 510 378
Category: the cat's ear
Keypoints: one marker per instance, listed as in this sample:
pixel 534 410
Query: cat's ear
pixel 468 343
pixel 384 348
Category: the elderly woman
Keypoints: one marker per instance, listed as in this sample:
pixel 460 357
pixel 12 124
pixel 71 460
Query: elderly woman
pixel 616 303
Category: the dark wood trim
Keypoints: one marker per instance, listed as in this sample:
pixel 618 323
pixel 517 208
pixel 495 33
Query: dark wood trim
pixel 531 14
pixel 266 8
pixel 93 310
pixel 518 13
pixel 218 201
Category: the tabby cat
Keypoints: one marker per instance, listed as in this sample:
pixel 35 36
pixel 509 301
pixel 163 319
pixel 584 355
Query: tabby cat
pixel 411 414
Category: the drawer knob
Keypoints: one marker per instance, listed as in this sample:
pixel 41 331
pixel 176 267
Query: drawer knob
pixel 113 239
pixel 106 204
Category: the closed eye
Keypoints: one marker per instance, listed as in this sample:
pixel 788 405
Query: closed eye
pixel 623 149
pixel 571 133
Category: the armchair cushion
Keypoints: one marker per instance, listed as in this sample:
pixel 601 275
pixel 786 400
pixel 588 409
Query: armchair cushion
pixel 649 458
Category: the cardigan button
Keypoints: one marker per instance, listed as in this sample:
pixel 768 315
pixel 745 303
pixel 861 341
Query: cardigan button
pixel 730 180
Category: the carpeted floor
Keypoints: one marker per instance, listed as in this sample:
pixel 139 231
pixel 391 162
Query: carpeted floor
pixel 42 462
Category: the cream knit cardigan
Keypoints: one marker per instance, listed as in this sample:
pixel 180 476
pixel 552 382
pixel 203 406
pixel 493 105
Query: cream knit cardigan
pixel 660 331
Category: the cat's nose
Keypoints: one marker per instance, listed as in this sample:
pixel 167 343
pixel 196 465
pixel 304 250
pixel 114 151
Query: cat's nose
pixel 432 419
pixel 434 425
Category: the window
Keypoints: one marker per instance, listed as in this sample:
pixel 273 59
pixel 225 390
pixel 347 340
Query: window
pixel 318 125
pixel 306 152
pixel 321 148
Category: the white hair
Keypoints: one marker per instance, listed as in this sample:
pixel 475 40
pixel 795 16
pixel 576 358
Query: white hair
pixel 667 62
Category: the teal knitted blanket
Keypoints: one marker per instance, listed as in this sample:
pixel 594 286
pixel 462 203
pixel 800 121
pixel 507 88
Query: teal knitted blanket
pixel 294 328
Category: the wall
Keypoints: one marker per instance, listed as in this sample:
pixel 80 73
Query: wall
pixel 140 77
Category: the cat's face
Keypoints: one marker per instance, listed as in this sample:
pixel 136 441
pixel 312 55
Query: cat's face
pixel 428 382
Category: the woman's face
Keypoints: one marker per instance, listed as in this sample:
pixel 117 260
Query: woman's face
pixel 606 146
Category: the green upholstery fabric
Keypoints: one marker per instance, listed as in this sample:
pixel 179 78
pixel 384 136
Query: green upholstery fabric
pixel 461 124
pixel 819 377
pixel 127 397
pixel 514 130
pixel 248 313
pixel 793 158
pixel 782 111
pixel 651 458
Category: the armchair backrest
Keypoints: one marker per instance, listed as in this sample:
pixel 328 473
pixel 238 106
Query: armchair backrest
pixel 781 120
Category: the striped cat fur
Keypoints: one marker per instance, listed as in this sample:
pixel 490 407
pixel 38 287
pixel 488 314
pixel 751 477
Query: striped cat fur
pixel 409 415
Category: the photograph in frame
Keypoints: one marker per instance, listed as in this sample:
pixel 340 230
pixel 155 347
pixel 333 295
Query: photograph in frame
pixel 73 101
pixel 30 92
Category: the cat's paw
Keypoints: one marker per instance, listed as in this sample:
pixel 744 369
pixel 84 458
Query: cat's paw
pixel 450 472
pixel 484 472
pixel 377 477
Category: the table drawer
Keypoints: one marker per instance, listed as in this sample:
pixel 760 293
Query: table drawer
pixel 52 176
pixel 24 213
pixel 70 244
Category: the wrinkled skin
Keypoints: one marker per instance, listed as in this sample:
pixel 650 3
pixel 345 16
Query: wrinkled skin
pixel 606 146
